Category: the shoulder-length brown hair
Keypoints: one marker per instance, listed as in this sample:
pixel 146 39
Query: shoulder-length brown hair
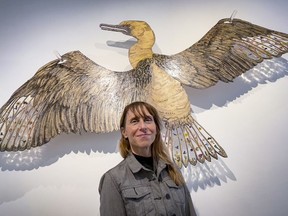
pixel 158 148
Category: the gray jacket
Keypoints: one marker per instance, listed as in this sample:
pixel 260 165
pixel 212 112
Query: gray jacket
pixel 131 189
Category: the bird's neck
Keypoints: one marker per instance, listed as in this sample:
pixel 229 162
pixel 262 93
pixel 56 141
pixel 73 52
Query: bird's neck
pixel 142 49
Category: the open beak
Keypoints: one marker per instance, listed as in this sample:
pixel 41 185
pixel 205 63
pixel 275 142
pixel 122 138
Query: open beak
pixel 117 28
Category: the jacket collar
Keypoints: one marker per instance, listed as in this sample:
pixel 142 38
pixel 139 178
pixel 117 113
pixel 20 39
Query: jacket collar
pixel 135 166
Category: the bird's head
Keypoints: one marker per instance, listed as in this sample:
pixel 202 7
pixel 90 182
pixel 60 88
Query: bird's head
pixel 136 29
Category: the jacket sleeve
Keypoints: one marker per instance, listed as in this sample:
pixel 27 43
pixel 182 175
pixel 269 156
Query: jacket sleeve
pixel 190 210
pixel 111 202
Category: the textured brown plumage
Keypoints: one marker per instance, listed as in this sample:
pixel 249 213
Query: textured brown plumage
pixel 74 94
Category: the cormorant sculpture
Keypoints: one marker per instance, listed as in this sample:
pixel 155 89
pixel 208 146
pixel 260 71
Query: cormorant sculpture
pixel 74 94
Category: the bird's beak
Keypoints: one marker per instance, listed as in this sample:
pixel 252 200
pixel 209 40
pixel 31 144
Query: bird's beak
pixel 117 28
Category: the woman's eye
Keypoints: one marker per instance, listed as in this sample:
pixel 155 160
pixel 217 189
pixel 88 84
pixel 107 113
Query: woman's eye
pixel 148 119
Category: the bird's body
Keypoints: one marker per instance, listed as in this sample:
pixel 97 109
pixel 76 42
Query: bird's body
pixel 174 108
pixel 172 105
pixel 74 94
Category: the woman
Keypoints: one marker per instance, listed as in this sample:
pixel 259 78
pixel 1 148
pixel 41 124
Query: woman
pixel 146 182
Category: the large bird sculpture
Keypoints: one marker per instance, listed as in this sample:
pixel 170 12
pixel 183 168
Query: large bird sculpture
pixel 74 94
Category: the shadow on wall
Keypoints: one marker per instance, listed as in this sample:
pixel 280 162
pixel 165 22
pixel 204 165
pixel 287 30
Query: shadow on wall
pixel 207 174
pixel 58 147
pixel 221 94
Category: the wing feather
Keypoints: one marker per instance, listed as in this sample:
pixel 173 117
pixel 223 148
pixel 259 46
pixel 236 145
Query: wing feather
pixel 71 94
pixel 229 49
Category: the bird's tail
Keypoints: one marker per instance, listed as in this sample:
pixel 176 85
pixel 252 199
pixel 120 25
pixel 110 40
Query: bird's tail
pixel 188 142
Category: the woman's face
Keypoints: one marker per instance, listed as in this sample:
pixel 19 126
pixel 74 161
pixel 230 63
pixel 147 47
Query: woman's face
pixel 140 131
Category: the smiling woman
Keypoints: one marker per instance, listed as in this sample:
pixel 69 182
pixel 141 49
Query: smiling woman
pixel 146 182
pixel 140 129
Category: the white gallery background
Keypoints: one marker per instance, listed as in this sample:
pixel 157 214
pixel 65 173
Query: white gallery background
pixel 249 119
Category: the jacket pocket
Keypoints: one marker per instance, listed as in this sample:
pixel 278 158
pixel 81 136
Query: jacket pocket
pixel 138 201
pixel 136 192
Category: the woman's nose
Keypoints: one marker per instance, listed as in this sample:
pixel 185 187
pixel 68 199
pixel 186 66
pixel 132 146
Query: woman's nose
pixel 142 125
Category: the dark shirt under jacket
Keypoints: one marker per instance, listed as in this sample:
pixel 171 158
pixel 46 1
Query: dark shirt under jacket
pixel 131 189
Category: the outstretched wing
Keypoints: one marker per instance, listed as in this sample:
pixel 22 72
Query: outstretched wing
pixel 71 94
pixel 229 49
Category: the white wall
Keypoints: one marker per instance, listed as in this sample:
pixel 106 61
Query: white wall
pixel 248 119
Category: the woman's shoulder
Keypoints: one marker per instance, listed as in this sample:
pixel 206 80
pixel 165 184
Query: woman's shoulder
pixel 118 169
